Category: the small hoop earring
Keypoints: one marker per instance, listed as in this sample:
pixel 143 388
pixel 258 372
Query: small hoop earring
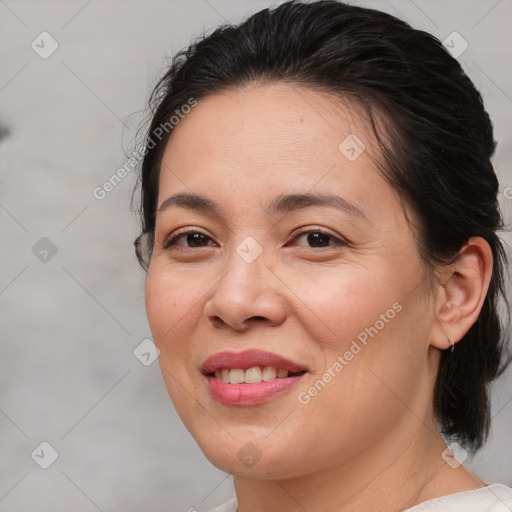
pixel 452 345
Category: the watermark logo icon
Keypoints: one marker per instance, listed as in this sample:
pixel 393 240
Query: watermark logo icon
pixel 146 352
pixel 454 455
pixel 44 250
pixel 44 455
pixel 455 44
pixel 352 147
pixel 249 249
pixel 44 45
pixel 249 454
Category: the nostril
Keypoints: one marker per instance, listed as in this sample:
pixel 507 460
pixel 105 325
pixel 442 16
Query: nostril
pixel 258 318
pixel 217 322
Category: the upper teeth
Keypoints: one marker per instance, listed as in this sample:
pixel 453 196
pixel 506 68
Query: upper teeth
pixel 251 375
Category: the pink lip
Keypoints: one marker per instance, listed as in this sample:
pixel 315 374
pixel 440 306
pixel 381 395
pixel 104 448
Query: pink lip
pixel 249 394
pixel 248 359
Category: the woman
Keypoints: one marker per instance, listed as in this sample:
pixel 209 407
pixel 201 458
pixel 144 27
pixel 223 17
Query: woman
pixel 320 233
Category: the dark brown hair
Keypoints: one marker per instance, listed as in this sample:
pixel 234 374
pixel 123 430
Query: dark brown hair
pixel 437 140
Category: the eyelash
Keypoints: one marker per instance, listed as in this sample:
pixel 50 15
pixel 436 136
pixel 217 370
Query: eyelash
pixel 172 241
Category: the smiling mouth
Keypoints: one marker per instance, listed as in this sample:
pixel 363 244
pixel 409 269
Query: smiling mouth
pixel 253 375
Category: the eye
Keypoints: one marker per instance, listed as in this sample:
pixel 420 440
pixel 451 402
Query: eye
pixel 191 238
pixel 318 238
pixel 315 238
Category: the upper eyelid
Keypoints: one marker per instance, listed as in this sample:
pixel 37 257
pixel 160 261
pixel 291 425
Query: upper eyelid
pixel 314 229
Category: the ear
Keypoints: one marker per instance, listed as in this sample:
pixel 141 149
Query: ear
pixel 461 292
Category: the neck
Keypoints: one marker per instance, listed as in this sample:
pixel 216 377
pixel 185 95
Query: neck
pixel 399 472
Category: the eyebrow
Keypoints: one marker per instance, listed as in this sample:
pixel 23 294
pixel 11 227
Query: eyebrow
pixel 282 203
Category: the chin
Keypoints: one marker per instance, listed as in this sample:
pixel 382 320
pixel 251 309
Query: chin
pixel 247 457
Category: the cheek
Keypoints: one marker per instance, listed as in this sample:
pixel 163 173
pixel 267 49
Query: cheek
pixel 172 317
pixel 375 371
pixel 336 305
pixel 361 326
pixel 170 304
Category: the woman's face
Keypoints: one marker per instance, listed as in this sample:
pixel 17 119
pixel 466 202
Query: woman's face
pixel 300 251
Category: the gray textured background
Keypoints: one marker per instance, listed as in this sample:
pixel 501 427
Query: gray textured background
pixel 68 374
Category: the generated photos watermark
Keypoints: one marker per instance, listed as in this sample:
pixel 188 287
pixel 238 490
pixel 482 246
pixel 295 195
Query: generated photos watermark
pixel 111 183
pixel 344 359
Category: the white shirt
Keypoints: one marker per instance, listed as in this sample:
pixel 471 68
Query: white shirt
pixel 491 498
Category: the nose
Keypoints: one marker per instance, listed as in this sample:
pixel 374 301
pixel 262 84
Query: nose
pixel 246 294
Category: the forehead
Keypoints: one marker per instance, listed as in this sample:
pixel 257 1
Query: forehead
pixel 268 124
pixel 275 120
pixel 272 139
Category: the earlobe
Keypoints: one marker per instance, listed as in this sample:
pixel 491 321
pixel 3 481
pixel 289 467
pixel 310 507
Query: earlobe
pixel 461 292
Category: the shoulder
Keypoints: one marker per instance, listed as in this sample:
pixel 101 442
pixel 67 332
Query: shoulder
pixel 229 506
pixel 491 498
